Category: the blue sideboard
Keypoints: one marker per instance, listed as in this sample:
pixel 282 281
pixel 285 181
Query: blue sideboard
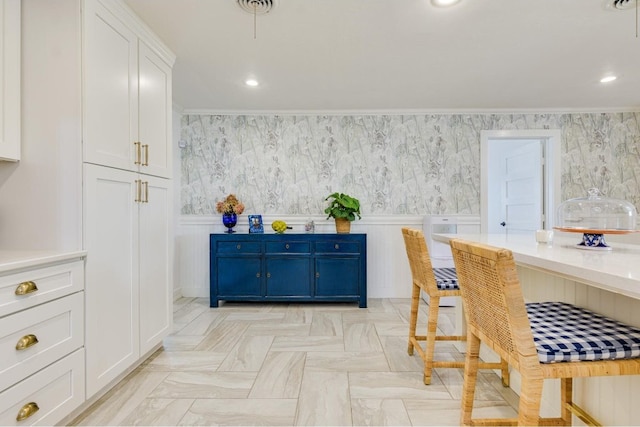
pixel 288 267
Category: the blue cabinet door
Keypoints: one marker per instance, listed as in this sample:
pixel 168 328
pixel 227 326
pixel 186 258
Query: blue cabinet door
pixel 288 276
pixel 238 276
pixel 337 276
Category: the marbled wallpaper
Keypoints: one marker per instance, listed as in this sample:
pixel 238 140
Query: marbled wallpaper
pixel 394 164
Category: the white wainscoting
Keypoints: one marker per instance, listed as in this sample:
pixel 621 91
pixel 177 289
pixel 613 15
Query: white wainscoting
pixel 610 400
pixel 388 274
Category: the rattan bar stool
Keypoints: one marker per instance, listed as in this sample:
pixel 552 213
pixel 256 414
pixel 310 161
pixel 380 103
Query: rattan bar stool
pixel 424 278
pixel 540 340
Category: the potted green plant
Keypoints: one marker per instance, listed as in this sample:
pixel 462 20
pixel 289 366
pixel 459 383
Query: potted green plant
pixel 343 209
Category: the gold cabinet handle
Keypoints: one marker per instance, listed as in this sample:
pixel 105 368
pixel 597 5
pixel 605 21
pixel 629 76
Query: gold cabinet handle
pixel 138 191
pixel 317 275
pixel 146 154
pixel 268 275
pixel 238 246
pixel 26 341
pixel 25 288
pixel 138 153
pixel 258 275
pixel 146 191
pixel 286 246
pixel 27 410
pixel 336 246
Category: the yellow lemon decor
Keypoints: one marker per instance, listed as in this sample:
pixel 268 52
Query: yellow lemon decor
pixel 279 226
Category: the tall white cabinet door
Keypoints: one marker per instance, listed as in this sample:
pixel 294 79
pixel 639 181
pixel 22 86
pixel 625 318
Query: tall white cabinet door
pixel 112 294
pixel 111 89
pixel 10 80
pixel 154 113
pixel 155 262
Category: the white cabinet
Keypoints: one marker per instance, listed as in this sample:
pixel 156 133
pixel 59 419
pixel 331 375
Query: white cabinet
pixel 128 95
pixel 127 200
pixel 10 80
pixel 128 295
pixel 41 337
pixel 155 260
pixel 154 113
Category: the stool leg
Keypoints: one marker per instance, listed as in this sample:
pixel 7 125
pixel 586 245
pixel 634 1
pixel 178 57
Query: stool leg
pixel 566 398
pixel 415 300
pixel 470 378
pixel 506 379
pixel 529 406
pixel 432 328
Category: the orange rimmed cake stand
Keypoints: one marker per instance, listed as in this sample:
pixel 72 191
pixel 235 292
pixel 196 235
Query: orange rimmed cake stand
pixel 593 239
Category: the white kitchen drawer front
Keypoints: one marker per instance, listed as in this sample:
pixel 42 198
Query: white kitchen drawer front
pixel 56 391
pixel 35 338
pixel 51 282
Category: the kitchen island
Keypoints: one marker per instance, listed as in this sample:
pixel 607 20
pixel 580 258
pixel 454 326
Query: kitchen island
pixel 607 282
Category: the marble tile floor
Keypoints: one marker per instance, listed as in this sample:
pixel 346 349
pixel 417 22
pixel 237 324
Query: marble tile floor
pixel 291 365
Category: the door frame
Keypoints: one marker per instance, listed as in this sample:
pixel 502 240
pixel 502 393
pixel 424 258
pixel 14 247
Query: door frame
pixel 552 139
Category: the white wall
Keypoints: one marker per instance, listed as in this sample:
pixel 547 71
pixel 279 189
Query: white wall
pixel 40 196
pixel 388 273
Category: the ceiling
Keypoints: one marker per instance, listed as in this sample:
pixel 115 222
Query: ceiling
pixel 400 55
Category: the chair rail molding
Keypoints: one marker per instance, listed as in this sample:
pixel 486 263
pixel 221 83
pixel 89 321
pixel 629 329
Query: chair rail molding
pixel 388 274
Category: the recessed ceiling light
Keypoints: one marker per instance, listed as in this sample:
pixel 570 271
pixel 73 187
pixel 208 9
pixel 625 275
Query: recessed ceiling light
pixel 251 82
pixel 444 3
pixel 607 79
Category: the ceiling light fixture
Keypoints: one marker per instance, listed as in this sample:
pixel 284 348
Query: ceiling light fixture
pixel 444 3
pixel 251 82
pixel 607 79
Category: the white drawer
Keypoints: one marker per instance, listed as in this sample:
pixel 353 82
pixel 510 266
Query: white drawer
pixel 59 328
pixel 57 390
pixel 52 282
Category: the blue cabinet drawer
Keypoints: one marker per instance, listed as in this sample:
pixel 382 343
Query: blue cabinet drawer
pixel 288 247
pixel 336 247
pixel 238 247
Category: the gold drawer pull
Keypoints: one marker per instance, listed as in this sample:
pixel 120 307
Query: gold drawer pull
pixel 337 246
pixel 238 246
pixel 26 341
pixel 25 288
pixel 268 275
pixel 146 192
pixel 258 275
pixel 286 246
pixel 138 155
pixel 138 198
pixel 317 275
pixel 26 411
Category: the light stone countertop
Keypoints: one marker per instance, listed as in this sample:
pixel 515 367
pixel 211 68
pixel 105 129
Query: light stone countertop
pixel 18 260
pixel 617 270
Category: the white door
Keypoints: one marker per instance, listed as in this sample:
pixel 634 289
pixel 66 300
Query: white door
pixel 155 262
pixel 111 290
pixel 526 197
pixel 516 186
pixel 154 118
pixel 10 80
pixel 111 89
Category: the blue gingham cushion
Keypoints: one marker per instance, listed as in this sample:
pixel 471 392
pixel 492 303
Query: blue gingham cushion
pixel 446 278
pixel 566 333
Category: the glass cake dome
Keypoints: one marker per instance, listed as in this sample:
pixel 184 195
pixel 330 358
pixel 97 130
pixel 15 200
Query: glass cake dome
pixel 597 213
pixel 595 216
